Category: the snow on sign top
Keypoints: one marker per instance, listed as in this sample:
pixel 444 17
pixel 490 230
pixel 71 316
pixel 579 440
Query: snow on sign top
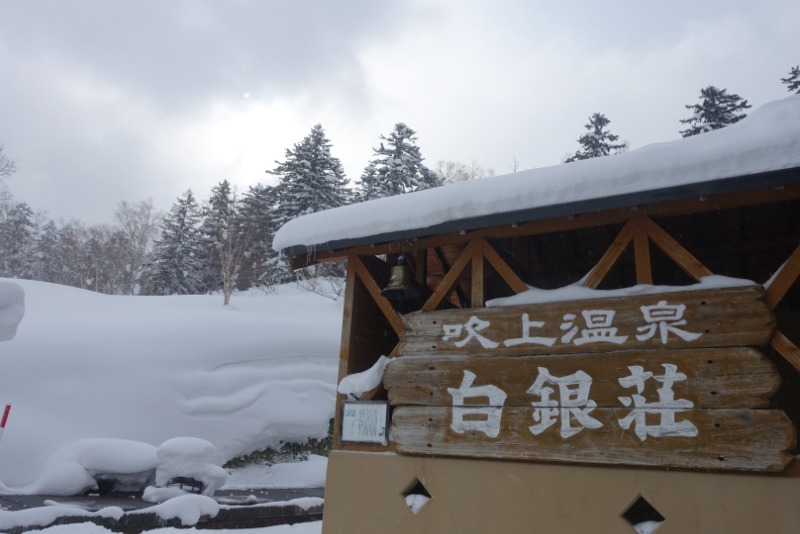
pixel 767 140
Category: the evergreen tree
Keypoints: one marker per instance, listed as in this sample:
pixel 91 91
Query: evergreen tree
pixel 716 110
pixel 16 240
pixel 46 265
pixel 598 141
pixel 256 213
pixel 176 268
pixel 215 213
pixel 792 82
pixel 311 179
pixel 397 167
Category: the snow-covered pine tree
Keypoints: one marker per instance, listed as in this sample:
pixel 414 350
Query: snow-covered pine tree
pixel 598 141
pixel 792 82
pixel 176 268
pixel 716 110
pixel 311 179
pixel 215 213
pixel 397 167
pixel 255 211
pixel 16 240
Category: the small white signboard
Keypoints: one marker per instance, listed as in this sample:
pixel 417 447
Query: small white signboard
pixel 365 422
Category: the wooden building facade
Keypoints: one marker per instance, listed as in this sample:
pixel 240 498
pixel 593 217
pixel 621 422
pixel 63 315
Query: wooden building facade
pixel 660 390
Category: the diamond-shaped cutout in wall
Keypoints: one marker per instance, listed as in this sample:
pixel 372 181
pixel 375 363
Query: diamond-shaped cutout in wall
pixel 416 496
pixel 643 517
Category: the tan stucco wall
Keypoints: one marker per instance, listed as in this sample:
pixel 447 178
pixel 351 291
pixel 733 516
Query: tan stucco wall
pixel 363 495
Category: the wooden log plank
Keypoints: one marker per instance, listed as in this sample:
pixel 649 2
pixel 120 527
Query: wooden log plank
pixel 740 439
pixel 734 377
pixel 735 316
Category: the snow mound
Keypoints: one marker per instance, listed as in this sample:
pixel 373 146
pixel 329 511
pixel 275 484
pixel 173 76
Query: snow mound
pixel 12 309
pixel 118 464
pixel 357 384
pixel 189 458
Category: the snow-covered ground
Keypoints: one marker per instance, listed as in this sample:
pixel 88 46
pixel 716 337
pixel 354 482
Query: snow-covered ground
pixel 84 367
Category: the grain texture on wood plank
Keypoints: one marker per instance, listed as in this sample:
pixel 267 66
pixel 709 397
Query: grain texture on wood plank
pixel 735 377
pixel 739 439
pixel 734 316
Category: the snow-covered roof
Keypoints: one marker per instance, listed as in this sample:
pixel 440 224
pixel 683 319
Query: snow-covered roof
pixel 742 155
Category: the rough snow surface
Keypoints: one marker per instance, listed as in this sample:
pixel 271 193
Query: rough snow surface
pixel 357 384
pixel 314 527
pixel 187 508
pixel 306 474
pixel 580 292
pixel 148 369
pixel 45 515
pixel 766 140
pixel 12 309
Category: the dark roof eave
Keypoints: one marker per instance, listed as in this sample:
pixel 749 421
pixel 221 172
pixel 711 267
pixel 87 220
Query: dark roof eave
pixel 641 198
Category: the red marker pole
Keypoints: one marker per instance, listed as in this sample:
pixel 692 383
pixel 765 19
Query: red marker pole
pixel 4 419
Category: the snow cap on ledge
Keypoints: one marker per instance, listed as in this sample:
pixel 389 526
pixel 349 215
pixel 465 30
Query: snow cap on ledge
pixel 767 140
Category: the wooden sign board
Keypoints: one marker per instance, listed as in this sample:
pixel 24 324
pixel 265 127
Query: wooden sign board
pixel 736 316
pixel 684 408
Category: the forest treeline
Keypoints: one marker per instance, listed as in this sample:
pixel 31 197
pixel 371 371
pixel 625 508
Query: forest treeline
pixel 223 242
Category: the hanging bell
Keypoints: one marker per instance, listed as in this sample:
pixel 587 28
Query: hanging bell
pixel 401 286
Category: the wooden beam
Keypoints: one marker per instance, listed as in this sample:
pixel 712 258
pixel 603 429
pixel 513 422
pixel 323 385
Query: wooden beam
pixel 450 279
pixel 641 250
pixel 784 279
pixel 682 257
pixel 344 350
pixel 788 350
pixel 421 272
pixel 442 261
pixel 477 278
pixel 503 269
pixel 612 254
pixel 372 287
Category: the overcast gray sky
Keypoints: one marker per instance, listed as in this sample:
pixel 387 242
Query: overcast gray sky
pixel 103 100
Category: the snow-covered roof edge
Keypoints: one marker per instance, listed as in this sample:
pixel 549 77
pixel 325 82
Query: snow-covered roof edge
pixel 743 155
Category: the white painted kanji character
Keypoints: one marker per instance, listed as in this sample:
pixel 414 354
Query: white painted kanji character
pixel 488 416
pixel 573 403
pixel 665 318
pixel 598 328
pixel 665 408
pixel 527 324
pixel 570 326
pixel 472 327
